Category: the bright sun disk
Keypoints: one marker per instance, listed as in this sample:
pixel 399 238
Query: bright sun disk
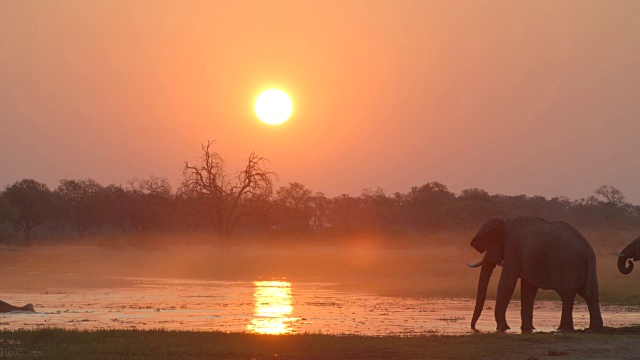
pixel 273 106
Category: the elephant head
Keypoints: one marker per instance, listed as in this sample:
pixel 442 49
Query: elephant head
pixel 625 265
pixel 490 241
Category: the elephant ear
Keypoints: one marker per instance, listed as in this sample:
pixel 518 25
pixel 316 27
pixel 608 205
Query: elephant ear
pixel 490 239
pixel 636 252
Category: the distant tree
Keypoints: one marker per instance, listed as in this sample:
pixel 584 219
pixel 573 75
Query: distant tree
pixel 319 212
pixel 430 207
pixel 30 205
pixel 523 205
pixel 611 195
pixel 294 196
pixel 220 198
pixel 379 209
pixel 149 203
pixel 475 206
pixel 115 207
pixel 587 213
pixel 293 206
pixel 261 217
pixel 82 202
pixel 560 206
pixel 614 207
pixel 345 214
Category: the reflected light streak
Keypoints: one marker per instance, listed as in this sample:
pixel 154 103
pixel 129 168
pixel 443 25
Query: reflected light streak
pixel 272 308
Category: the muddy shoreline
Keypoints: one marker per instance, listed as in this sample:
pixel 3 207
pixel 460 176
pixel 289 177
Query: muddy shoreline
pixel 277 307
pixel 333 291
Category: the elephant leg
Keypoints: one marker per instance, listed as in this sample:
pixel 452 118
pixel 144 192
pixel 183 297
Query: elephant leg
pixel 527 296
pixel 506 286
pixel 566 321
pixel 595 317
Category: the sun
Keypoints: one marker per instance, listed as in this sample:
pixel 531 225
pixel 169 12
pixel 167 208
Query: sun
pixel 273 106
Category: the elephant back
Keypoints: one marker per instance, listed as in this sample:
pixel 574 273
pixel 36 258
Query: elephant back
pixel 553 255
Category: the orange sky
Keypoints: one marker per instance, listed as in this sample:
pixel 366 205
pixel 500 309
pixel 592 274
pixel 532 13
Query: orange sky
pixel 533 97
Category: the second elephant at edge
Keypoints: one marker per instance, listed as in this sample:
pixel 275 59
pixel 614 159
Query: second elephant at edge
pixel 631 251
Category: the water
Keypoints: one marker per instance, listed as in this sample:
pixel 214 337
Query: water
pixel 274 307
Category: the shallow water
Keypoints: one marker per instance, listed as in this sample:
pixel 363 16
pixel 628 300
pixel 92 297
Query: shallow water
pixel 274 307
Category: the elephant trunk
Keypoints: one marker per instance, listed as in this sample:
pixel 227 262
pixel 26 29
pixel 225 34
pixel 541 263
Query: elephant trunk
pixel 483 283
pixel 625 264
pixel 628 255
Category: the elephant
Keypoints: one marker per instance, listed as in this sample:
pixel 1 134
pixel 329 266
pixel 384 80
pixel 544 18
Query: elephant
pixel 544 255
pixel 631 251
pixel 6 307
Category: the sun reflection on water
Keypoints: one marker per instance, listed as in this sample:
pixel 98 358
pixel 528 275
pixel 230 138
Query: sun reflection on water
pixel 272 308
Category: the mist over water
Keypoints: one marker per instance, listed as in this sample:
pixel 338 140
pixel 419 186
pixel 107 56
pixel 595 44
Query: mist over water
pixel 357 288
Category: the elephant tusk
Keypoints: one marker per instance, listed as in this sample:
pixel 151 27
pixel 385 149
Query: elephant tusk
pixel 479 263
pixel 617 254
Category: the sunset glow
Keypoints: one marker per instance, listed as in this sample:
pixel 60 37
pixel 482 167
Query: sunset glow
pixel 380 92
pixel 319 179
pixel 273 106
pixel 272 308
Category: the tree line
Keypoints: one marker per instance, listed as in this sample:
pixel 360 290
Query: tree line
pixel 212 199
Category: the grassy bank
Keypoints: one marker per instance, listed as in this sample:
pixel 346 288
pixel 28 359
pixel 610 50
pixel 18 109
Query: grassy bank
pixel 131 344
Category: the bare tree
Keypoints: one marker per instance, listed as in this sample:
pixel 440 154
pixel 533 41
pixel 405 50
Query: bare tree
pixel 220 198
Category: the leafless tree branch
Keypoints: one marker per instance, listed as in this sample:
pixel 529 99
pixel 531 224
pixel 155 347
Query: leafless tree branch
pixel 222 199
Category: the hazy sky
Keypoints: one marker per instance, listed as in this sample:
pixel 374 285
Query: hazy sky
pixel 514 97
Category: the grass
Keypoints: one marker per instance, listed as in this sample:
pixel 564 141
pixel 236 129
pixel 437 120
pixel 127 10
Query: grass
pixel 158 344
